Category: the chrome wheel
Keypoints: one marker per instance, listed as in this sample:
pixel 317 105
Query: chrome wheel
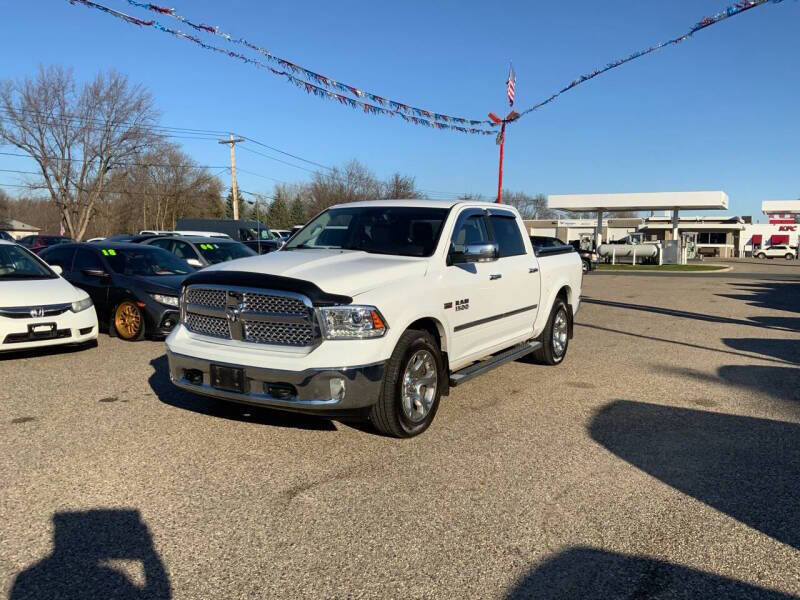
pixel 560 333
pixel 419 386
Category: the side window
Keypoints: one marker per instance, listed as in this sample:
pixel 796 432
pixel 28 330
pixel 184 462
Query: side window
pixel 86 259
pixel 471 231
pixel 61 257
pixel 161 243
pixel 183 250
pixel 507 235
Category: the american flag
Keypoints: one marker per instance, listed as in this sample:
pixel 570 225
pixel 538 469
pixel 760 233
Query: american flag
pixel 511 83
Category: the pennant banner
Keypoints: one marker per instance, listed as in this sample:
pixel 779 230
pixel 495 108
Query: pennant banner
pixel 731 11
pixel 320 80
pixel 418 116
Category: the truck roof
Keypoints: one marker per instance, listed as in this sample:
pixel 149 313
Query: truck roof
pixel 419 203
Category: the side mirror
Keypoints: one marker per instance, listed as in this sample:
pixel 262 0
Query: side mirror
pixel 57 270
pixel 94 273
pixel 474 253
pixel 194 262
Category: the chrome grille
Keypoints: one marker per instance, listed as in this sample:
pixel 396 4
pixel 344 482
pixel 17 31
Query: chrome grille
pixel 213 326
pixel 206 297
pixel 273 304
pixel 261 317
pixel 287 334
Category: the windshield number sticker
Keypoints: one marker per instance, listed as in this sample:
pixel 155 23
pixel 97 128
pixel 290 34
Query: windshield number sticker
pixel 109 252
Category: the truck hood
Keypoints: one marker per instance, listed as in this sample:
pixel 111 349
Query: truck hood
pixel 345 272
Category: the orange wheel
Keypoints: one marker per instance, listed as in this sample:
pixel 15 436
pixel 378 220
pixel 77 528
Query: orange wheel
pixel 129 321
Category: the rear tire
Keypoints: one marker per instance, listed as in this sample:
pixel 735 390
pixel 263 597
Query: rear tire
pixel 788 256
pixel 412 386
pixel 761 255
pixel 586 266
pixel 555 337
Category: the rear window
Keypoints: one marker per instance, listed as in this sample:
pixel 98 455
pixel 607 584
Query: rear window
pixel 507 235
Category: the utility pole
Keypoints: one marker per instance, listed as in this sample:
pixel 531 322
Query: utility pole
pixel 232 141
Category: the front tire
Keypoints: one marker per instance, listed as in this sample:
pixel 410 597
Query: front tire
pixel 761 255
pixel 788 256
pixel 555 337
pixel 129 321
pixel 412 386
pixel 586 266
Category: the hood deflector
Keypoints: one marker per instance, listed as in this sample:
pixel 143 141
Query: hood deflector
pixel 267 282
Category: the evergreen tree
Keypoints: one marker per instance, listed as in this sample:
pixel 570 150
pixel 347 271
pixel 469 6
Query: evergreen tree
pixel 243 212
pixel 297 212
pixel 278 216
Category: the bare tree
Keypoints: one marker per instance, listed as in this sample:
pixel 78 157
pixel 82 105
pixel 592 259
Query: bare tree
pixel 351 183
pixel 164 185
pixel 76 137
pixel 400 187
pixel 5 203
pixel 530 207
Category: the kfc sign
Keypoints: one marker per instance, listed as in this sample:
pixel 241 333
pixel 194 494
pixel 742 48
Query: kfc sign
pixel 787 228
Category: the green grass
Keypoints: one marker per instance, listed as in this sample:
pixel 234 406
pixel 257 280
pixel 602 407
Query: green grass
pixel 665 268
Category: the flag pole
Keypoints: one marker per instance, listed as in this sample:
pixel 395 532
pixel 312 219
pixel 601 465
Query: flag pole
pixel 502 137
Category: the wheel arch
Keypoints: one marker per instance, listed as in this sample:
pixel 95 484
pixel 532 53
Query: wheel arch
pixel 438 331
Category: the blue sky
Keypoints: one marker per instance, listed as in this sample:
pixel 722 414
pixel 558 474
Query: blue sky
pixel 716 112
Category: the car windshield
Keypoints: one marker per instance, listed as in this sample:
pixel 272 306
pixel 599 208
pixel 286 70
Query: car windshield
pixel 218 252
pixel 145 261
pixel 398 230
pixel 16 263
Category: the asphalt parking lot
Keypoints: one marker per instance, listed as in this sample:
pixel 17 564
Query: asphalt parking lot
pixel 661 460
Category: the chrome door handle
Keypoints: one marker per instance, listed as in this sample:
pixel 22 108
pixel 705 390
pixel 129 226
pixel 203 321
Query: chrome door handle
pixel 495 276
pixel 533 270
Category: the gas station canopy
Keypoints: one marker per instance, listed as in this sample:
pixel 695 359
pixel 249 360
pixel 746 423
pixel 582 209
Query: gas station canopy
pixel 636 202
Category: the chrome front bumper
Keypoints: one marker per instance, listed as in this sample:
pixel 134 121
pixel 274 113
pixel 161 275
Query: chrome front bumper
pixel 313 390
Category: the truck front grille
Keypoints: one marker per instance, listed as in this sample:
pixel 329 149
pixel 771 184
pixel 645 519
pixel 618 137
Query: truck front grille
pixel 257 316
pixel 273 333
pixel 213 326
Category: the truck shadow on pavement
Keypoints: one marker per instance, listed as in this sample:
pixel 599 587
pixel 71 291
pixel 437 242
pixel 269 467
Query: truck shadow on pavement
pixel 86 546
pixel 593 574
pixel 170 394
pixel 768 294
pixel 745 467
pixel 787 350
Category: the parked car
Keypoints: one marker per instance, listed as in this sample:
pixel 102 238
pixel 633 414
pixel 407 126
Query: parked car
pixel 415 297
pixel 200 252
pixel 134 287
pixel 590 258
pixel 37 243
pixel 778 251
pixel 242 230
pixel 282 233
pixel 4 235
pixel 37 307
pixel 130 238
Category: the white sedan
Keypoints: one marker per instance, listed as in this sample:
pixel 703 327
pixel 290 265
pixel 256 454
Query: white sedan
pixel 38 307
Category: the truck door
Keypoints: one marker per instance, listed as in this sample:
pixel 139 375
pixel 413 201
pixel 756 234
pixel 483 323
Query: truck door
pixel 517 290
pixel 469 297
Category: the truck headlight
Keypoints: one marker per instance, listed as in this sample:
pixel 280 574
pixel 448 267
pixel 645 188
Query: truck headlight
pixel 352 322
pixel 168 300
pixel 81 304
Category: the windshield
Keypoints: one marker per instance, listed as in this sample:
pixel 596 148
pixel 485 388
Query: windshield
pixel 145 261
pixel 16 263
pixel 220 252
pixel 398 230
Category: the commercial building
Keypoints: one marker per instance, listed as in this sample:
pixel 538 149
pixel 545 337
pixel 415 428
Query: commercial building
pixel 718 236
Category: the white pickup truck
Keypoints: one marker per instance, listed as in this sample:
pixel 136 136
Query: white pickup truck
pixel 376 308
